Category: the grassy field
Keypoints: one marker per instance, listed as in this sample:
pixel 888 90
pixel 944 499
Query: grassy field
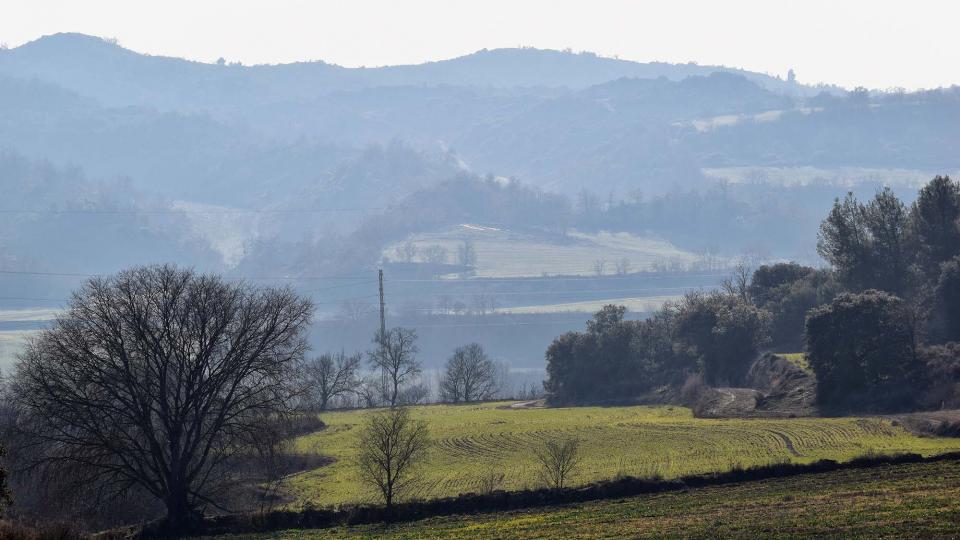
pixel 504 253
pixel 471 440
pixel 895 501
pixel 640 305
pixel 799 360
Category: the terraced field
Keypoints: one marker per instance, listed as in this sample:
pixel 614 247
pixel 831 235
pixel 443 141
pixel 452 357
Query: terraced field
pixel 894 501
pixel 473 440
pixel 505 253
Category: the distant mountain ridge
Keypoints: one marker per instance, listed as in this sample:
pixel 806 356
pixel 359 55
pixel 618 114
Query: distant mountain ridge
pixel 101 69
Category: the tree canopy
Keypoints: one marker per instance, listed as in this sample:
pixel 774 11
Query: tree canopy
pixel 156 378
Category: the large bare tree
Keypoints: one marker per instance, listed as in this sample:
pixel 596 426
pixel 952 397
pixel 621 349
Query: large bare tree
pixel 390 446
pixel 331 375
pixel 469 375
pixel 395 356
pixel 155 378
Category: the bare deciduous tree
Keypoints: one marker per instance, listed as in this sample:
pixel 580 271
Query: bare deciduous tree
pixel 354 310
pixel 156 378
pixel 559 460
pixel 434 254
pixel 408 252
pixel 390 447
pixel 331 375
pixel 738 284
pixel 445 304
pixel 491 480
pixel 469 375
pixel 370 391
pixel 484 303
pixel 414 394
pixel 395 356
pixel 467 253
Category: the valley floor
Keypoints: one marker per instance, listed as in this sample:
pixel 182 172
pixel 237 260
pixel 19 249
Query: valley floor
pixel 894 501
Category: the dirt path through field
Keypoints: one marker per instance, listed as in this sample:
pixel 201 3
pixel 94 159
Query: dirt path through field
pixel 532 404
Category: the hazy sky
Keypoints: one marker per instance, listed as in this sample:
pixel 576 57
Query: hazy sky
pixel 876 43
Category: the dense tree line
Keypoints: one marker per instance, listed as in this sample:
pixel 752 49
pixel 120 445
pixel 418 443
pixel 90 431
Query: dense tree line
pixel 871 346
pixel 880 326
pixel 717 335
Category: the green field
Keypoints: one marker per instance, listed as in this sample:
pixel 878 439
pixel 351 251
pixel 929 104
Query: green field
pixel 638 304
pixel 504 253
pixel 471 440
pixel 799 360
pixel 894 501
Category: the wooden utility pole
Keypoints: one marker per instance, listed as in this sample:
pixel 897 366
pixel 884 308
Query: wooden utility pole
pixel 383 319
pixel 383 335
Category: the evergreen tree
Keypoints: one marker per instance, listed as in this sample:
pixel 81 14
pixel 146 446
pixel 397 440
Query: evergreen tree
pixel 935 224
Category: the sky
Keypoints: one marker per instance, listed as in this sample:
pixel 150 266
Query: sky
pixel 878 44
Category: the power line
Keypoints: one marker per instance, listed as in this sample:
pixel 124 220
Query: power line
pixel 342 286
pixel 47 274
pixel 33 299
pixel 187 212
pixel 637 275
pixel 477 280
pixel 277 278
pixel 494 294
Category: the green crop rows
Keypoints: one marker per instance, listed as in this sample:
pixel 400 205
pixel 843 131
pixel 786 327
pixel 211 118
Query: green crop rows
pixel 472 442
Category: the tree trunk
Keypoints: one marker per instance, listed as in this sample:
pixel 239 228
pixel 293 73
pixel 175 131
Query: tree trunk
pixel 181 516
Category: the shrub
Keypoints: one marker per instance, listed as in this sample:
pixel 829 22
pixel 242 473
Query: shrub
pixel 722 333
pixel 864 351
pixel 559 460
pixel 942 371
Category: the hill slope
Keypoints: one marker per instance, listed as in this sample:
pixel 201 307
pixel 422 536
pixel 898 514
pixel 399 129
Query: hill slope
pixel 102 69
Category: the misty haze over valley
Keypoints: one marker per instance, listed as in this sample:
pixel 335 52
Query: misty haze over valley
pixel 498 270
pixel 506 194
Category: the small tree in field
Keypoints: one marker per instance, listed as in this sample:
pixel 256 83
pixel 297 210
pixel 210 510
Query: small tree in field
pixel 559 459
pixel 390 447
pixel 156 379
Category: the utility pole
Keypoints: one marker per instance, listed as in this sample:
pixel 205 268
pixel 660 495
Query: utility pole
pixel 383 319
pixel 383 336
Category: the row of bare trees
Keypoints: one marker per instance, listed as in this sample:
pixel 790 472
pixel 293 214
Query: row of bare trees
pixel 466 254
pixel 468 375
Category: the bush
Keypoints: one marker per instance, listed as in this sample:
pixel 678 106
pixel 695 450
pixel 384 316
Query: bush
pixel 718 335
pixel 945 318
pixel 942 374
pixel 722 333
pixel 594 365
pixel 864 351
pixel 788 291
